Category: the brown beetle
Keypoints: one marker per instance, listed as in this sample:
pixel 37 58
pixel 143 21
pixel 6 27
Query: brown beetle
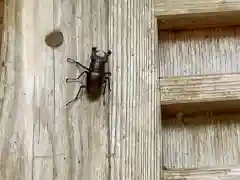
pixel 97 78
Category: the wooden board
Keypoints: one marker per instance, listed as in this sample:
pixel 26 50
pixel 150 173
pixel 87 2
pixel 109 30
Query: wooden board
pixel 210 138
pixel 208 173
pixel 195 109
pixel 202 88
pixel 41 138
pixel 81 129
pixel 187 14
pixel 203 141
pixel 196 94
pixel 135 110
pixel 26 91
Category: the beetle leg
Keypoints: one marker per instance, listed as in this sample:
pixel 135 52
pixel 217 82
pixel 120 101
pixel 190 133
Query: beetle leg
pixel 77 63
pixel 69 80
pixel 104 86
pixel 104 90
pixel 77 96
pixel 108 79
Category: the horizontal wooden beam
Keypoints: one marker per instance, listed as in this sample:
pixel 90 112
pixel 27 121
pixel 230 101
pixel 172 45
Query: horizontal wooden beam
pixel 199 94
pixel 221 173
pixel 188 14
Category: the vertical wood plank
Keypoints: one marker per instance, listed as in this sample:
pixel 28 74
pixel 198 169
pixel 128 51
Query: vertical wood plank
pixel 81 128
pixel 64 142
pixel 135 106
pixel 43 104
pixel 207 140
pixel 26 88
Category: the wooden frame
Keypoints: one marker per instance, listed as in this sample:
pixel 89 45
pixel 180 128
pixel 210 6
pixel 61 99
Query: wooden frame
pixel 194 95
pixel 190 14
pixel 220 173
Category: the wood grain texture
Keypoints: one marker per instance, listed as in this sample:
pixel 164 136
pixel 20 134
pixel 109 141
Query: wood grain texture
pixel 202 88
pixel 187 14
pixel 199 52
pixel 40 138
pixel 26 89
pixel 220 173
pixel 81 130
pixel 199 66
pixel 203 141
pixel 194 109
pixel 135 110
pixel 210 140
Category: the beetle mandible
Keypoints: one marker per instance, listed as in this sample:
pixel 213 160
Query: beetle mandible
pixel 97 78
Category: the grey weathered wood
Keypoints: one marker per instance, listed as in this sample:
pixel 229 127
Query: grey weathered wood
pixel 135 125
pixel 81 129
pixel 26 90
pixel 201 88
pixel 207 173
pixel 186 14
pixel 207 140
pixel 40 137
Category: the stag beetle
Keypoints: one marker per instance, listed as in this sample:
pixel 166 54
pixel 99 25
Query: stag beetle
pixel 97 78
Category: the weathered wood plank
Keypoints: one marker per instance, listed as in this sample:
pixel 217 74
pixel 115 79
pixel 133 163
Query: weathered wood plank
pixel 43 102
pixel 195 95
pixel 202 141
pixel 185 89
pixel 80 131
pixel 26 88
pixel 220 173
pixel 135 111
pixel 194 14
pixel 196 53
pixel 195 109
pixel 199 52
pixel 210 139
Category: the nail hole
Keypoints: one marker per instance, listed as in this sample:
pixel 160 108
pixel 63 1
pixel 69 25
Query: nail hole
pixel 54 39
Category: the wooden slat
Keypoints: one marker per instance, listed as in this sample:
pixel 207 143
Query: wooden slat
pixel 81 128
pixel 191 94
pixel 26 92
pixel 202 88
pixel 194 109
pixel 220 173
pixel 187 14
pixel 135 113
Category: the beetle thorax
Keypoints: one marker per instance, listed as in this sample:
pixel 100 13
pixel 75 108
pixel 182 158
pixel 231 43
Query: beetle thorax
pixel 97 65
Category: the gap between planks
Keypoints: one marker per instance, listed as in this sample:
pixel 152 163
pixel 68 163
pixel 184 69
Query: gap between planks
pixel 189 14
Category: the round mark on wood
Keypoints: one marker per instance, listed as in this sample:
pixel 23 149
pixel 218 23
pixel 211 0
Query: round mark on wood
pixel 54 39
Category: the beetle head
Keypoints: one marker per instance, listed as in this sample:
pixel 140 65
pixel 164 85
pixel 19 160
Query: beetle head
pixel 99 55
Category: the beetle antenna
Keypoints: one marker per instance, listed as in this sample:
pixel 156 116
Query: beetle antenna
pixel 77 63
pixel 71 60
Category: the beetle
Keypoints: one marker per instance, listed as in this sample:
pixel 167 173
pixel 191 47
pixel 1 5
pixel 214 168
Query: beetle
pixel 97 77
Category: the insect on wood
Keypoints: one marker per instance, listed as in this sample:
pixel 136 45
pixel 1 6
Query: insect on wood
pixel 97 79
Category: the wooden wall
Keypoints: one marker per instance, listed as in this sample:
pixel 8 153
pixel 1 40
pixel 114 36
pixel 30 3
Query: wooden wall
pixel 42 139
pixel 206 141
